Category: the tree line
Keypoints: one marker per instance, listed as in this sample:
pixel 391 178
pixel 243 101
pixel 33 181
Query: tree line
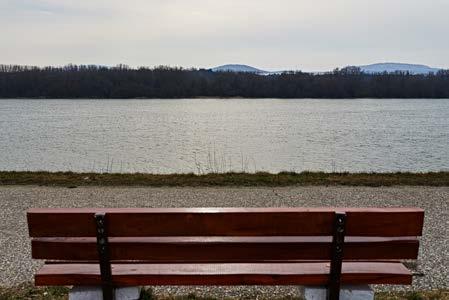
pixel 83 81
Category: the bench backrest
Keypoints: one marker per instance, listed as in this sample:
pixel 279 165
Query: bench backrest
pixel 225 234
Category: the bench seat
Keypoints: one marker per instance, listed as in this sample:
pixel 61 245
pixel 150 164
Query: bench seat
pixel 316 273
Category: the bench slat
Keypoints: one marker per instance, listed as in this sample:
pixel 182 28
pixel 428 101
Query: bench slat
pixel 215 262
pixel 223 274
pixel 225 222
pixel 229 249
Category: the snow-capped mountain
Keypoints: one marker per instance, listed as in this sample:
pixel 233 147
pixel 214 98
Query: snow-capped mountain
pixel 239 68
pixel 394 67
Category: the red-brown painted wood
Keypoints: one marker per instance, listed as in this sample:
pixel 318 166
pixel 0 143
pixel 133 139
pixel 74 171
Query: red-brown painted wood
pixel 223 274
pixel 215 262
pixel 134 222
pixel 225 249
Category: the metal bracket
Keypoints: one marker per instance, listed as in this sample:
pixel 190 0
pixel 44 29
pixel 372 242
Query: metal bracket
pixel 103 257
pixel 338 241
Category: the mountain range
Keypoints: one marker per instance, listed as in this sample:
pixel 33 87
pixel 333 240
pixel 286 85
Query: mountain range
pixel 371 69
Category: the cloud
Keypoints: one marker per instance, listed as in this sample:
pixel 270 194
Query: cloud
pixel 314 35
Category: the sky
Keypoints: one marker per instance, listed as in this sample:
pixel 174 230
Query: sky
pixel 308 35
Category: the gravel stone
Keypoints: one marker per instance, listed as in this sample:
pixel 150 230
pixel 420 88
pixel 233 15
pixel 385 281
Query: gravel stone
pixel 16 265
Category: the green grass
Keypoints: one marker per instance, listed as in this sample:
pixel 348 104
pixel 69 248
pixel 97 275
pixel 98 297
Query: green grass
pixel 70 179
pixel 28 291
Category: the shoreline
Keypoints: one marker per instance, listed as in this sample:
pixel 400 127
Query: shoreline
pixel 72 179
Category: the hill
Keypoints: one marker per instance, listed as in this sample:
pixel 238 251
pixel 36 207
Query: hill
pixel 398 67
pixel 239 68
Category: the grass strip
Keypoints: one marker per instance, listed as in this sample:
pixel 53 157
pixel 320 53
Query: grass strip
pixel 28 291
pixel 71 179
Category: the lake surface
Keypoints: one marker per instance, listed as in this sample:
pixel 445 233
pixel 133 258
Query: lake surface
pixel 206 135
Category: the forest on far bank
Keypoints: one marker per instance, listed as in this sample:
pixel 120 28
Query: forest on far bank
pixel 83 81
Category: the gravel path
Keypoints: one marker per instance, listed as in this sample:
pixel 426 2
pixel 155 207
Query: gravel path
pixel 16 265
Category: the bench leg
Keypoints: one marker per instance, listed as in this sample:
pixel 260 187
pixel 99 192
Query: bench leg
pixel 349 292
pixel 96 293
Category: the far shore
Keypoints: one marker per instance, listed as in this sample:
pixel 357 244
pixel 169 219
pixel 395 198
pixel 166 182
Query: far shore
pixel 71 179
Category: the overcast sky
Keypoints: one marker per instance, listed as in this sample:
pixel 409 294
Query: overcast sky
pixel 310 35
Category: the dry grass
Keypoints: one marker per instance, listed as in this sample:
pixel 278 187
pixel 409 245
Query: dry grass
pixel 224 179
pixel 430 295
pixel 28 291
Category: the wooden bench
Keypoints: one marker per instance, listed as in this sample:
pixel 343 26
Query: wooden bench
pixel 224 246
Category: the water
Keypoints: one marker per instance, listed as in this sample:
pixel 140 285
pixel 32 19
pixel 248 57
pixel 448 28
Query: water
pixel 206 135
